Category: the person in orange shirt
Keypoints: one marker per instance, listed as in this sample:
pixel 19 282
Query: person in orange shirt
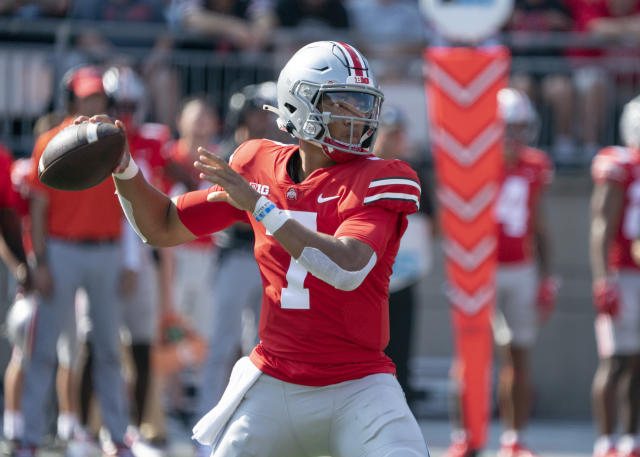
pixel 76 243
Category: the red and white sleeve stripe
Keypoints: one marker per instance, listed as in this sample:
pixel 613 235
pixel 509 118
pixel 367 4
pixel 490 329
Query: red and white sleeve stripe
pixel 394 193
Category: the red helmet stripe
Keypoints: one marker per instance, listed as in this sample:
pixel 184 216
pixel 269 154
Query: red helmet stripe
pixel 357 61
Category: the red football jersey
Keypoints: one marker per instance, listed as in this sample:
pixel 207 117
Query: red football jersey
pixel 146 145
pixel 522 184
pixel 622 166
pixel 312 333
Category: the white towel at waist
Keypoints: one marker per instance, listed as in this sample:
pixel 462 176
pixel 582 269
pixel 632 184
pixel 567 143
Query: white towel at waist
pixel 209 429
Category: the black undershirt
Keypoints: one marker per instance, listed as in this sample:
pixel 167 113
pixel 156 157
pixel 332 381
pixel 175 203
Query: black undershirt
pixel 293 166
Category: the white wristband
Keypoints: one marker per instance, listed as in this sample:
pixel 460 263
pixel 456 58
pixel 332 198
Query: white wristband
pixel 129 172
pixel 269 214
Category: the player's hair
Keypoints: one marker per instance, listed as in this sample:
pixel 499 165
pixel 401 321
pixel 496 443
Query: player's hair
pixel 201 98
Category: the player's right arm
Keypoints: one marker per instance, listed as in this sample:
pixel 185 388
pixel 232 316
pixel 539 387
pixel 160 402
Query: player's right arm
pixel 151 213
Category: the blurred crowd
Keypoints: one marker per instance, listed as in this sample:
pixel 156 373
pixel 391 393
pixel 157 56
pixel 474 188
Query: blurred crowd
pixel 573 58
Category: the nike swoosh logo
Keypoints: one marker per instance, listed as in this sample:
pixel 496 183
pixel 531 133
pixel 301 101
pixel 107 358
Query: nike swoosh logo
pixel 322 199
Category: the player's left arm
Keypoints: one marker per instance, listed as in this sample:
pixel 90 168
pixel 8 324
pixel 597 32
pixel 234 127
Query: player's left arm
pixel 343 261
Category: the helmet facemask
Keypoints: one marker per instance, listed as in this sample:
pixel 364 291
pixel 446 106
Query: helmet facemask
pixel 342 119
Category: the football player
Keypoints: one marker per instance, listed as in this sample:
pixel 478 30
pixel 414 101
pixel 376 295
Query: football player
pixel 525 288
pixel 615 223
pixel 328 218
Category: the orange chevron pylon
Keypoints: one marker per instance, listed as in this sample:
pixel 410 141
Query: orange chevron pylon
pixel 466 136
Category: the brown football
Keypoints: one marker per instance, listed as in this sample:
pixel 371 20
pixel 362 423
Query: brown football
pixel 81 156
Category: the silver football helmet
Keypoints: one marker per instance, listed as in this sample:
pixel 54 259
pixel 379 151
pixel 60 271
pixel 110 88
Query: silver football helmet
pixel 630 123
pixel 519 115
pixel 328 96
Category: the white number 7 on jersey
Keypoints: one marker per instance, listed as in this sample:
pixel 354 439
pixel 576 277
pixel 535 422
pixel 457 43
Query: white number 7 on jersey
pixel 295 296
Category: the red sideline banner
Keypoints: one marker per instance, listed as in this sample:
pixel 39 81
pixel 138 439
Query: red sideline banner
pixel 466 140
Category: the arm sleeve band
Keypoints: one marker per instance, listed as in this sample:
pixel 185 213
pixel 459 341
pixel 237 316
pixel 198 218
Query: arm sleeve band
pixel 128 211
pixel 131 248
pixel 128 173
pixel 269 215
pixel 322 267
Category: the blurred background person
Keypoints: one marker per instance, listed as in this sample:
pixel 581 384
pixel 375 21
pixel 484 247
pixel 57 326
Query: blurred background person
pixel 609 24
pixel 19 284
pixel 525 287
pixel 298 22
pixel 413 260
pixel 552 91
pixel 95 45
pixel 192 264
pixel 76 243
pixel 33 10
pixel 616 289
pixel 138 283
pixel 140 288
pixel 234 25
pixel 237 286
pixel 399 36
pixel 22 316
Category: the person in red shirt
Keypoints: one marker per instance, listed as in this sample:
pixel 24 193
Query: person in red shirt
pixel 140 289
pixel 13 254
pixel 19 315
pixel 76 244
pixel 194 262
pixel 328 218
pixel 615 223
pixel 525 288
